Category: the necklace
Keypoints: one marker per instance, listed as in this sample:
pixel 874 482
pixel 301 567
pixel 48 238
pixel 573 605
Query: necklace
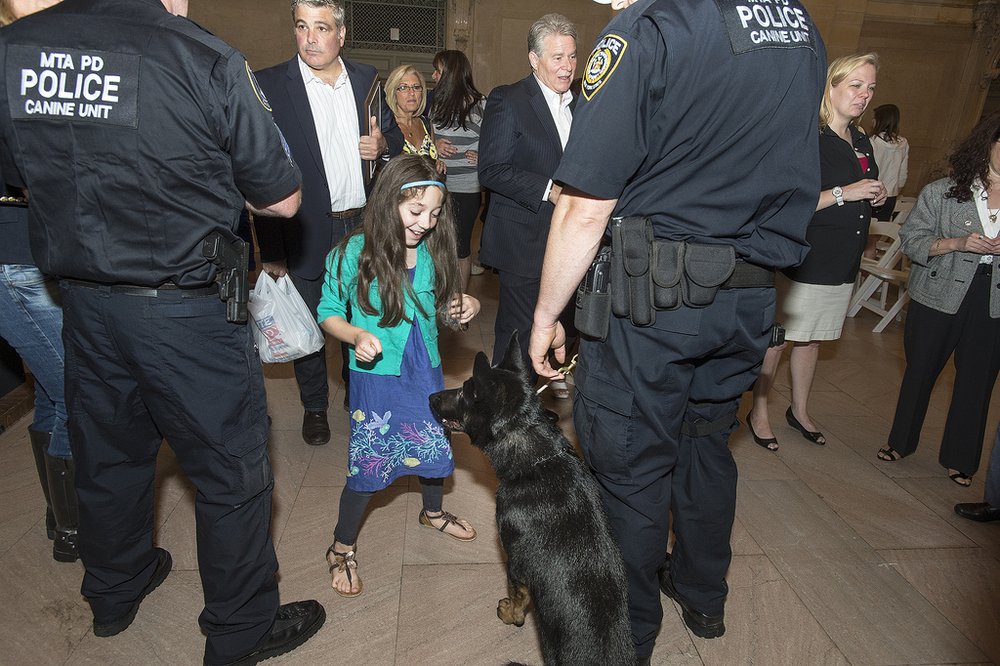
pixel 992 214
pixel 409 128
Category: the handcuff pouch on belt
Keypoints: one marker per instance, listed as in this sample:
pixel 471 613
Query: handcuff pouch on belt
pixel 649 274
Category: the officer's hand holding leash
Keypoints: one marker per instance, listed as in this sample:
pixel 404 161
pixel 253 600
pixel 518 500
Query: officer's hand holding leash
pixel 564 370
pixel 543 340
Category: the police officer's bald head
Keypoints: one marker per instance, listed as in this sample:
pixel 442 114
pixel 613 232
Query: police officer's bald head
pixel 616 4
pixel 11 10
pixel 176 7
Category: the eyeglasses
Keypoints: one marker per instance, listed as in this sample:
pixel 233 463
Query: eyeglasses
pixel 404 88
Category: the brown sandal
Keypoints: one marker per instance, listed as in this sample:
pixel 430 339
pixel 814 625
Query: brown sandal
pixel 425 521
pixel 344 563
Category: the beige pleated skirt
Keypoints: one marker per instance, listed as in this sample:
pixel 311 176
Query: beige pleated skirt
pixel 812 311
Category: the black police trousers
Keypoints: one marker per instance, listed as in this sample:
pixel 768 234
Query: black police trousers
pixel 140 369
pixel 638 396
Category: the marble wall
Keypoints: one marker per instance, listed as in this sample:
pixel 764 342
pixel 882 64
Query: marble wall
pixel 939 57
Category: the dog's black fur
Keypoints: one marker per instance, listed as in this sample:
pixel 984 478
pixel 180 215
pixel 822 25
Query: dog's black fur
pixel 558 540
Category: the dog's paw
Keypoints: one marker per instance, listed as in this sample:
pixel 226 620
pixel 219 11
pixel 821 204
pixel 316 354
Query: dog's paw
pixel 509 613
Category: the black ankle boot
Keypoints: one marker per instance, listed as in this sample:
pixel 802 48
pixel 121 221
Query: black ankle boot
pixel 62 490
pixel 39 447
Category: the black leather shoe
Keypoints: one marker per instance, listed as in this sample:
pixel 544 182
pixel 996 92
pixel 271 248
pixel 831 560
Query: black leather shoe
pixel 315 428
pixel 163 564
pixel 978 511
pixel 294 624
pixel 701 625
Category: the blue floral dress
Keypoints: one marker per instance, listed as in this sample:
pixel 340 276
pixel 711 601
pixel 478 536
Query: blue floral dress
pixel 393 432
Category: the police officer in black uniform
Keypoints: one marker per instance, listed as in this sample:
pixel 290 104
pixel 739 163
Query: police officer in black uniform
pixel 696 132
pixel 139 136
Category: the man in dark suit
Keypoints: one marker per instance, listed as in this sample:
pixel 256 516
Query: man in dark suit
pixel 525 126
pixel 318 102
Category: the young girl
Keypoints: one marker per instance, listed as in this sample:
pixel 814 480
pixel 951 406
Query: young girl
pixel 398 274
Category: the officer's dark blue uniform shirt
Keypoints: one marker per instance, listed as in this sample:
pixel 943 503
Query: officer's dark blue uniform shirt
pixel 703 115
pixel 158 130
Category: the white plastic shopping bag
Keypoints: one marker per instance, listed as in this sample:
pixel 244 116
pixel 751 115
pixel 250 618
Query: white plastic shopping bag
pixel 284 327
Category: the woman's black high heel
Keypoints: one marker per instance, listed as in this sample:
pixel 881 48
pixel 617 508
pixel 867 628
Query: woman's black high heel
pixel 813 436
pixel 770 443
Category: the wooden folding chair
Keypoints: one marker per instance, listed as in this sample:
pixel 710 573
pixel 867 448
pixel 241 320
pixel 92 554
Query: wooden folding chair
pixel 879 274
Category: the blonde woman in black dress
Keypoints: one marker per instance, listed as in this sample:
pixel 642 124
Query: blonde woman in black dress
pixel 813 297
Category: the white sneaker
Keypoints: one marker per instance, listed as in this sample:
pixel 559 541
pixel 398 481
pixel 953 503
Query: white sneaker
pixel 477 269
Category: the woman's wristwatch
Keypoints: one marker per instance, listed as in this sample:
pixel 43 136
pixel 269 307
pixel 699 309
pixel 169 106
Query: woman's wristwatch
pixel 838 194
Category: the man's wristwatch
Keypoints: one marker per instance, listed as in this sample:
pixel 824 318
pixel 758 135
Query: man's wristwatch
pixel 838 194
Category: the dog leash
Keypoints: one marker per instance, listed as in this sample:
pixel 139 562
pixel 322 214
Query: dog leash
pixel 565 370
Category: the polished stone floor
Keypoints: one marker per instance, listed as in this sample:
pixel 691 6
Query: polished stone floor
pixel 839 558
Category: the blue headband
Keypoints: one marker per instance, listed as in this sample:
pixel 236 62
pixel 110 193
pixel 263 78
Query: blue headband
pixel 423 183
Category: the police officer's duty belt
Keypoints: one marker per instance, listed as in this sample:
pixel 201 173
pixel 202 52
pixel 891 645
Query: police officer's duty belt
pixel 640 275
pixel 168 288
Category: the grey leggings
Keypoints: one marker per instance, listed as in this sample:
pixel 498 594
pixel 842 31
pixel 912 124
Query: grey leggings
pixel 353 504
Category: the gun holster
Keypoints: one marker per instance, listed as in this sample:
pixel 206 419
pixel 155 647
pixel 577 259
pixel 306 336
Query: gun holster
pixel 232 257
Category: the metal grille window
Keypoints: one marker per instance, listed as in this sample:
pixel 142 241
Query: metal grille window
pixel 416 26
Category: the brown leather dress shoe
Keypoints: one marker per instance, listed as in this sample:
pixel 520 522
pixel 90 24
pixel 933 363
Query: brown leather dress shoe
pixel 978 511
pixel 315 428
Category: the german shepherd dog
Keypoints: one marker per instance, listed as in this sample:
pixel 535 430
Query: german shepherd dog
pixel 560 552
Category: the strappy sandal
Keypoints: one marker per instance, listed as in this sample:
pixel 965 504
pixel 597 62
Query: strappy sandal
pixel 449 519
pixel 344 563
pixel 963 480
pixel 888 454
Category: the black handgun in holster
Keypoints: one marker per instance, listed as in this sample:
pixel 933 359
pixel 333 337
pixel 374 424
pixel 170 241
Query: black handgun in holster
pixel 593 297
pixel 232 256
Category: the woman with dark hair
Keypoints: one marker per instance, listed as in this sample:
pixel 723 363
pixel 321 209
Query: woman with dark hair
pixel 951 237
pixel 457 113
pixel 892 152
pixel 813 297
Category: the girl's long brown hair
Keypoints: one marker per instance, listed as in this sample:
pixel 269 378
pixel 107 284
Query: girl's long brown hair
pixel 383 257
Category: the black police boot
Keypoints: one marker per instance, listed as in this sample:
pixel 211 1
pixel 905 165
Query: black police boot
pixel 294 624
pixel 39 446
pixel 700 624
pixel 62 491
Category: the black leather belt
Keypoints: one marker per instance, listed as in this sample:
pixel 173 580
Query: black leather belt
pixel 167 288
pixel 747 276
pixel 344 214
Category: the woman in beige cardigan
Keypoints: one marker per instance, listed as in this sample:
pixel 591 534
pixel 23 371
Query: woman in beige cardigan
pixel 952 238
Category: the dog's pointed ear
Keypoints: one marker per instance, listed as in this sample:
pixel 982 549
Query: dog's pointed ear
pixel 481 365
pixel 512 359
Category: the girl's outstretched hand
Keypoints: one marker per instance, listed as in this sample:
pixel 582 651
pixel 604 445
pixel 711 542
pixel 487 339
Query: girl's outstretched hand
pixel 366 347
pixel 463 308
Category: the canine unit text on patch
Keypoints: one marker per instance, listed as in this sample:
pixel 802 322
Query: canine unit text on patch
pixel 95 86
pixel 767 24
